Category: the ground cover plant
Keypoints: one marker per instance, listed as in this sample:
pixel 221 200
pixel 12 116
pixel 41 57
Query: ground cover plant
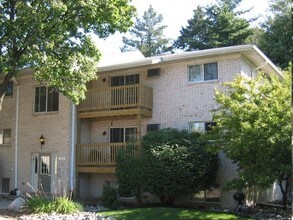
pixel 40 203
pixel 61 205
pixel 162 213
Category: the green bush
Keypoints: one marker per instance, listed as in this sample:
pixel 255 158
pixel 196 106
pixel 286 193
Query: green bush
pixel 109 195
pixel 129 173
pixel 172 163
pixel 62 205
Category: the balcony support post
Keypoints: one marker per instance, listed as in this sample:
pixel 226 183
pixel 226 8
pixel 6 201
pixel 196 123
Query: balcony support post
pixel 139 126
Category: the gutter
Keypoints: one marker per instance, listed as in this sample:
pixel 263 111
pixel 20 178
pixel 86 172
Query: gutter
pixel 193 55
pixel 16 135
pixel 267 61
pixel 72 148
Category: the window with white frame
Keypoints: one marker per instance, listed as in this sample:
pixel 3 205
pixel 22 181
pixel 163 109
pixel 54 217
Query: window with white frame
pixel 209 195
pixel 46 99
pixel 203 72
pixel 121 135
pixel 201 127
pixel 5 136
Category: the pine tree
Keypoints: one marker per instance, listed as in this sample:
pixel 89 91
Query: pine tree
pixel 214 26
pixel 276 42
pixel 147 35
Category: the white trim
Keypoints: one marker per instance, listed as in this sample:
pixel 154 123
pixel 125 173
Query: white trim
pixel 246 50
pixel 73 142
pixel 16 138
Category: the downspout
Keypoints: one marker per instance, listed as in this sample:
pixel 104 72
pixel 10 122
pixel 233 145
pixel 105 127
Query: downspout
pixel 72 153
pixel 16 135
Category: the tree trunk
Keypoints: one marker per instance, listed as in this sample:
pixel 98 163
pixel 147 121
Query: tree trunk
pixel 3 87
pixel 1 101
pixel 284 190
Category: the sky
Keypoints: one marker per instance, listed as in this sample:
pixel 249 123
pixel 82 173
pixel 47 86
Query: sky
pixel 175 15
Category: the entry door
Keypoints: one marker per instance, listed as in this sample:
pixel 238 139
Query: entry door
pixel 45 172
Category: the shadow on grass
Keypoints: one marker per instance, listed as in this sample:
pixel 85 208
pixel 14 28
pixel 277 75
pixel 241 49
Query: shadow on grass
pixel 168 214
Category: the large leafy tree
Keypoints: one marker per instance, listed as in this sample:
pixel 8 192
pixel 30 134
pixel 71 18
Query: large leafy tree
pixel 147 35
pixel 216 25
pixel 253 129
pixel 276 41
pixel 172 163
pixel 52 38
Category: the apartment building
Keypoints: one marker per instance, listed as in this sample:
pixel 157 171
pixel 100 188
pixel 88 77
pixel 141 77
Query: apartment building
pixel 50 143
pixel 36 137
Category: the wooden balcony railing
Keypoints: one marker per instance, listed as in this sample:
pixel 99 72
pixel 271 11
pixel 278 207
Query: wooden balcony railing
pixel 98 154
pixel 117 98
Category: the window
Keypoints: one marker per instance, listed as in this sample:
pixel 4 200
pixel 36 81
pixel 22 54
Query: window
pixel 153 127
pixel 4 185
pixel 201 127
pixel 209 195
pixel 125 80
pixel 120 135
pixel 203 72
pixel 46 99
pixel 5 136
pixel 9 89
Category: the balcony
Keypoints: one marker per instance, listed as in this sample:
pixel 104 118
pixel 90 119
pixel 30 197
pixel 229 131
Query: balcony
pixel 98 158
pixel 127 100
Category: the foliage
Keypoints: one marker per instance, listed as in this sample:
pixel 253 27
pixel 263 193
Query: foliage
pixel 109 195
pixel 53 38
pixel 62 205
pixel 147 35
pixel 213 26
pixel 276 41
pixel 169 214
pixel 253 129
pixel 172 163
pixel 129 173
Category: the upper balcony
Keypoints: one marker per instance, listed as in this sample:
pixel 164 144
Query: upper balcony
pixel 126 100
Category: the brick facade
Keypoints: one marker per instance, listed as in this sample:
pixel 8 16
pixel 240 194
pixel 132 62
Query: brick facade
pixel 55 128
pixel 176 102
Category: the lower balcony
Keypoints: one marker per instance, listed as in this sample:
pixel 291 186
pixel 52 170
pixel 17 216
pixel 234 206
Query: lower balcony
pixel 98 158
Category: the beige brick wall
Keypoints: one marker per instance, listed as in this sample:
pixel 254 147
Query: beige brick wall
pixel 7 121
pixel 176 103
pixel 55 127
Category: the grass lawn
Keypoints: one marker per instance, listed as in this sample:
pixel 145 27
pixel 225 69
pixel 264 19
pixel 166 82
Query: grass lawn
pixel 168 214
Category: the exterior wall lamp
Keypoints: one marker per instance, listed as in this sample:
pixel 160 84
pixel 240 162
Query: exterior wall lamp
pixel 42 141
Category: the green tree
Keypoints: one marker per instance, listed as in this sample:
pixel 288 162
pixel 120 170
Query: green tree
pixel 253 129
pixel 147 35
pixel 172 163
pixel 276 41
pixel 53 38
pixel 216 25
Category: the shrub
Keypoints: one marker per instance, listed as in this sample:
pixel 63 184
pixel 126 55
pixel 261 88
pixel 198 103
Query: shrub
pixel 172 163
pixel 129 173
pixel 109 196
pixel 62 205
